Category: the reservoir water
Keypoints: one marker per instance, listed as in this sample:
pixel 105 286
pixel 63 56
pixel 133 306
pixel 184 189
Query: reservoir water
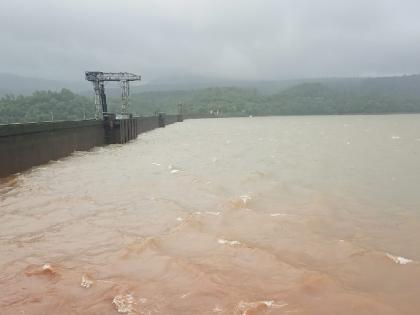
pixel 273 215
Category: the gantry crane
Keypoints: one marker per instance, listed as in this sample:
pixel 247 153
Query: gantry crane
pixel 98 79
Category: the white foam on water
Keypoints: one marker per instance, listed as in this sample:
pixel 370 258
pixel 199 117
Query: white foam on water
pixel 213 213
pixel 398 259
pixel 245 198
pixel 124 303
pixel 157 164
pixel 246 307
pixel 185 295
pixel 227 242
pixel 173 169
pixel 179 219
pixel 278 214
pixel 279 305
pixel 86 282
pixel 217 309
pixel 107 281
pixel 47 267
pixel 395 137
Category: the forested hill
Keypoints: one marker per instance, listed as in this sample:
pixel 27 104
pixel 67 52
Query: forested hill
pixel 45 106
pixel 329 96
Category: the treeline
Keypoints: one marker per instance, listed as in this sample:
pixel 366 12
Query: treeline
pixel 303 99
pixel 45 106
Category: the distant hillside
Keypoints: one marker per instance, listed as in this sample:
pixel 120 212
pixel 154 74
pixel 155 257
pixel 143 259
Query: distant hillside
pixel 11 84
pixel 326 96
pixel 397 86
pixel 306 97
pixel 46 106
pixel 407 86
pixel 231 99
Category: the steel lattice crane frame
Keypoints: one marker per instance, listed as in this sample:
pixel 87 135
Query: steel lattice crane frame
pixel 98 78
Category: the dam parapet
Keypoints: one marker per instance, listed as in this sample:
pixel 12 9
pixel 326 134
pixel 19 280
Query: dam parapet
pixel 23 146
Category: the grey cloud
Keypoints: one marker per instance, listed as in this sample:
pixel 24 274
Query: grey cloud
pixel 236 39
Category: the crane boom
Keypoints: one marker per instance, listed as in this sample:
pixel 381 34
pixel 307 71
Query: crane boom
pixel 111 76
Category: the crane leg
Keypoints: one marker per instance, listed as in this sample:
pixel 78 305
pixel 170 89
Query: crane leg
pixel 103 98
pixel 96 88
pixel 124 95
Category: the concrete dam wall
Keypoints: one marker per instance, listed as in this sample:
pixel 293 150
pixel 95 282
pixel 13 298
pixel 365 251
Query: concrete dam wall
pixel 25 145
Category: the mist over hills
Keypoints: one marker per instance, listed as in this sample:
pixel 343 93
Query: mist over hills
pixel 201 96
pixel 408 85
pixel 12 84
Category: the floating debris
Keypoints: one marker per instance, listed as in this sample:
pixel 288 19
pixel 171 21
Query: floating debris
pixel 395 137
pixel 399 260
pixel 124 304
pixel 179 219
pixel 156 164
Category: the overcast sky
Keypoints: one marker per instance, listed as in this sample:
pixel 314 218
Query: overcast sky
pixel 229 39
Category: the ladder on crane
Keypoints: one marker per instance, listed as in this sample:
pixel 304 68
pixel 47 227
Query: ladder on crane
pixel 99 78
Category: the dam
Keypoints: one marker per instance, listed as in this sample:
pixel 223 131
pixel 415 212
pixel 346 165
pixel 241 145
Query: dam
pixel 26 145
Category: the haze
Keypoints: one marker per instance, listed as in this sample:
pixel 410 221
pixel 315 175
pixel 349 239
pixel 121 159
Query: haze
pixel 241 40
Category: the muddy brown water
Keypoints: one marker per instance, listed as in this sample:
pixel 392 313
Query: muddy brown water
pixel 274 215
